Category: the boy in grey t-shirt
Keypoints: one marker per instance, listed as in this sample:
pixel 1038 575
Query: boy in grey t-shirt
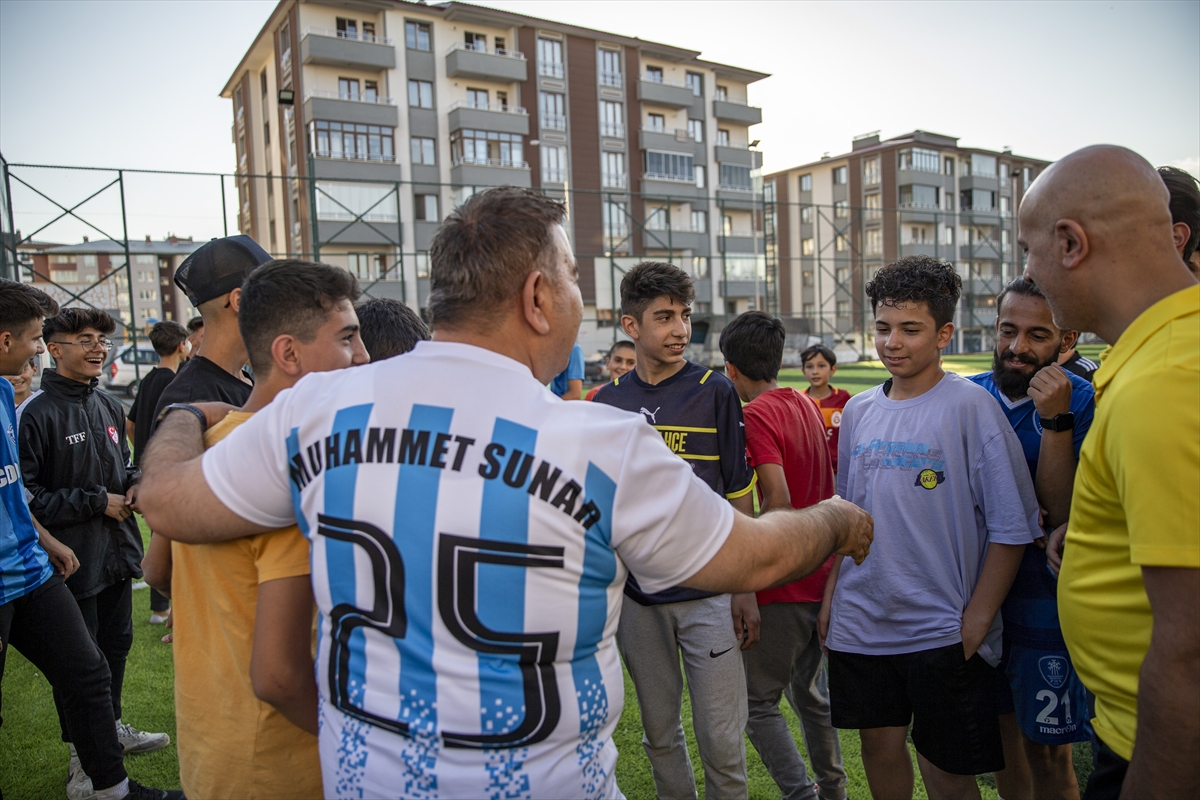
pixel 914 634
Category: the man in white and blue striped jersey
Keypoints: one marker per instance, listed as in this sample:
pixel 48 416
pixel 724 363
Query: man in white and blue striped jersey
pixel 471 533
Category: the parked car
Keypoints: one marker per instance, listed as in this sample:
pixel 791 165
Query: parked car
pixel 120 374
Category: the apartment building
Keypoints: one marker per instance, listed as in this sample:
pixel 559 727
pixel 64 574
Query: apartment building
pixel 359 125
pixel 94 271
pixel 833 222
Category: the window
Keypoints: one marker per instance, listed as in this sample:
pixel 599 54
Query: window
pixel 806 278
pixel 1005 209
pixel 871 172
pixel 699 170
pixel 806 215
pixel 501 46
pixel 147 294
pixel 695 130
pixel 736 178
pixel 807 247
pixel 502 100
pixel 839 175
pixel 612 170
pixel 262 80
pixel 422 263
pixel 806 182
pixel 983 166
pixel 426 207
pixel 873 242
pixel 920 160
pixel 90 261
pixel 841 209
pixel 266 134
pixel 368 31
pixel 842 276
pixel 554 164
pixel 699 266
pixel 146 276
pixel 610 68
pixel 917 196
pixel 948 234
pixel 477 98
pixel 726 225
pixel 656 122
pixel 654 74
pixel 874 206
pixel 809 309
pixel 656 220
pixel 348 88
pixel 423 151
pixel 948 200
pixel 722 92
pixel 670 166
pixel 1027 174
pixel 722 137
pixel 420 94
pixel 348 140
pixel 550 58
pixel 371 91
pixel 416 36
pixel 948 165
pixel 359 265
pixel 285 43
pixel 695 82
pixel 612 119
pixel 475 41
pixel 63 275
pixel 553 106
pixel 345 201
pixel 271 192
pixel 978 200
pixel 699 222
pixel 615 219
pixel 839 243
pixel 843 308
pixel 347 28
pixel 487 148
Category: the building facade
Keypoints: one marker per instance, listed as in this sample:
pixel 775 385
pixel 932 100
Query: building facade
pixel 359 126
pixel 832 223
pixel 94 272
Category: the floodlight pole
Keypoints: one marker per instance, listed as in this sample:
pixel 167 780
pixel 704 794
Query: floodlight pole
pixel 137 367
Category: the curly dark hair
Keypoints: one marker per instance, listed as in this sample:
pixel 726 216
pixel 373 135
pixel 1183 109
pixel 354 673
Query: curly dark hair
pixel 917 279
pixel 650 280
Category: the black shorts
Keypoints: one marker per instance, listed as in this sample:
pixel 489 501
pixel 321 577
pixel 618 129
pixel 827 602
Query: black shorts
pixel 951 703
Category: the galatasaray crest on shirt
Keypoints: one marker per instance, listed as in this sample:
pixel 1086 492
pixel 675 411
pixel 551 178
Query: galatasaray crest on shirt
pixel 112 434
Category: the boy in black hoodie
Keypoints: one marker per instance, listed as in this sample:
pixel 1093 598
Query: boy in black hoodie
pixel 76 463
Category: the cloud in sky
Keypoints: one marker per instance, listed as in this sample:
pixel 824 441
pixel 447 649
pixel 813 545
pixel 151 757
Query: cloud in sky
pixel 135 84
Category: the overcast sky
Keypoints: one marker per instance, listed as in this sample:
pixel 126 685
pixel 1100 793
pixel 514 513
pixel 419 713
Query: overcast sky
pixel 135 84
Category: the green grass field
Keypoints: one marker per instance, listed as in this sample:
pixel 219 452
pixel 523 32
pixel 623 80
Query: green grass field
pixel 33 759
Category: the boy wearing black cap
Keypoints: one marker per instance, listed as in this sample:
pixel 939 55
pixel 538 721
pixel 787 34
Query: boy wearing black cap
pixel 212 279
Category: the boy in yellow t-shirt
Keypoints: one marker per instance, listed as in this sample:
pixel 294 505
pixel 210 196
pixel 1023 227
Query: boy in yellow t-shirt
pixel 245 694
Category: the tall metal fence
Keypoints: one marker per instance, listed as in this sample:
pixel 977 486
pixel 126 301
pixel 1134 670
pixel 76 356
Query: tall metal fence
pixel 807 263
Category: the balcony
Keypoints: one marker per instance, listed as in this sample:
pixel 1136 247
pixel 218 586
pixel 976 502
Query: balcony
pixel 503 66
pixel 613 180
pixel 742 242
pixel 354 169
pixel 917 212
pixel 555 175
pixel 489 172
pixel 986 182
pixel 334 49
pixel 364 110
pixel 670 95
pixel 738 199
pixel 675 140
pixel 614 130
pixel 738 156
pixel 727 111
pixel 660 185
pixel 613 79
pixel 505 119
pixel 551 69
pixel 554 122
pixel 676 239
pixel 979 250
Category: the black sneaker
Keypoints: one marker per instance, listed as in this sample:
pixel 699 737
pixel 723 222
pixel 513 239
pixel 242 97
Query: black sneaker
pixel 139 792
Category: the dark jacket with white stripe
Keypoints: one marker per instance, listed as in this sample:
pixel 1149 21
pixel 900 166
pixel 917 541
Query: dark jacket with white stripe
pixel 73 454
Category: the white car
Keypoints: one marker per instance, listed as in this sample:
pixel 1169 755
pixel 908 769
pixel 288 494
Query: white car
pixel 120 374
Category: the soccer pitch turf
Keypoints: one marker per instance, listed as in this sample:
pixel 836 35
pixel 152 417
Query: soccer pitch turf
pixel 33 759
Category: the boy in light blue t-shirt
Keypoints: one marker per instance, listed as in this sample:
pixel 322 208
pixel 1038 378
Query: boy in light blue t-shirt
pixel 913 633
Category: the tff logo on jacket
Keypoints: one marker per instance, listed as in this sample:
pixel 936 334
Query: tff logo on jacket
pixel 76 438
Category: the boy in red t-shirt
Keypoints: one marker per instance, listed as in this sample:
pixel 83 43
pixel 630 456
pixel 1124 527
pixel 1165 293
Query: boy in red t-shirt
pixel 819 364
pixel 786 446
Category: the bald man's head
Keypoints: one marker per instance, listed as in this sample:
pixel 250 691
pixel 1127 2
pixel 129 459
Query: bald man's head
pixel 1090 224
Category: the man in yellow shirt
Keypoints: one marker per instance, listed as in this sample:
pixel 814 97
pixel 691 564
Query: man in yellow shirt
pixel 245 694
pixel 1097 231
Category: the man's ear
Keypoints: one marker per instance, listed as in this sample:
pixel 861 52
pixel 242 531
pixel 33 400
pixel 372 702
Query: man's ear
pixel 6 339
pixel 285 356
pixel 235 300
pixel 1180 232
pixel 629 324
pixel 731 371
pixel 944 334
pixel 1068 341
pixel 1071 245
pixel 535 299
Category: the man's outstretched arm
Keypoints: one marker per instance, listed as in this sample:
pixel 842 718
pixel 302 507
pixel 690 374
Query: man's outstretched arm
pixel 174 497
pixel 785 546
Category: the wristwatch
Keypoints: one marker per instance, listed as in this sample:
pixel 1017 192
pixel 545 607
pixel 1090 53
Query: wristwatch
pixel 185 407
pixel 1058 424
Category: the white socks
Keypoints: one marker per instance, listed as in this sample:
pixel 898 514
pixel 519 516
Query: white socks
pixel 115 793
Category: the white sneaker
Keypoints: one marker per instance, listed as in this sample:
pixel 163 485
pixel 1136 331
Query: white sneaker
pixel 79 785
pixel 135 741
pixel 139 585
pixel 157 618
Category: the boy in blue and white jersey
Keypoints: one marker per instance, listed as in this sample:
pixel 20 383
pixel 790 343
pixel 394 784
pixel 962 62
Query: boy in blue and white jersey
pixel 1051 411
pixel 469 551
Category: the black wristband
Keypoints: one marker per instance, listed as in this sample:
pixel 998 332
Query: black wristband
pixel 186 407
